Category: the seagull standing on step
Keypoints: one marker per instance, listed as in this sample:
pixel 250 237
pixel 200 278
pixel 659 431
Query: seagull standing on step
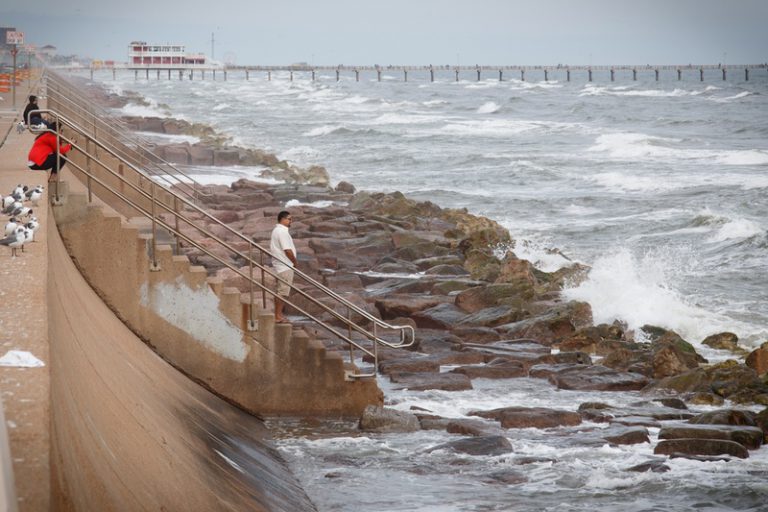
pixel 13 207
pixel 33 225
pixel 9 200
pixel 35 194
pixel 29 237
pixel 22 211
pixel 11 226
pixel 15 241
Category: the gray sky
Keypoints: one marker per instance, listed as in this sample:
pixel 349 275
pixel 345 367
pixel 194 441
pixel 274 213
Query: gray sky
pixel 408 31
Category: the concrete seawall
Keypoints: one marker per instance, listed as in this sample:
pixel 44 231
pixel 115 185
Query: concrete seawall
pixel 106 424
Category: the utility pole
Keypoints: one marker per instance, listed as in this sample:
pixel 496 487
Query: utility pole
pixel 211 45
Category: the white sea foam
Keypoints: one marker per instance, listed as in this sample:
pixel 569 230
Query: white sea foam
pixel 503 127
pixel 152 110
pixel 729 99
pixel 403 119
pixel 630 146
pixel 166 138
pixel 316 204
pixel 434 103
pixel 488 107
pixel 326 129
pixel 221 106
pixel 597 90
pixel 637 290
pixel 743 157
pixel 541 255
pixel 735 229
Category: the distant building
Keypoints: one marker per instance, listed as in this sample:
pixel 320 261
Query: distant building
pixel 162 56
pixel 48 50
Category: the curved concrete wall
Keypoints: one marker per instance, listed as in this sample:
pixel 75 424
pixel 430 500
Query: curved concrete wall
pixel 199 326
pixel 129 432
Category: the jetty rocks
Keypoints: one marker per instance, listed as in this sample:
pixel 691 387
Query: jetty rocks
pixel 490 315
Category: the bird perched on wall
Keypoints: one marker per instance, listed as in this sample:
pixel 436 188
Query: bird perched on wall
pixel 15 241
pixel 20 190
pixel 29 237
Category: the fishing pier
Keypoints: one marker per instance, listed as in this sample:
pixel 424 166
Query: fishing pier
pixel 429 72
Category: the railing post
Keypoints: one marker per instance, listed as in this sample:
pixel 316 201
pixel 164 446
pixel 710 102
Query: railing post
pixel 251 323
pixel 154 267
pixel 88 168
pixel 176 223
pixel 263 284
pixel 349 335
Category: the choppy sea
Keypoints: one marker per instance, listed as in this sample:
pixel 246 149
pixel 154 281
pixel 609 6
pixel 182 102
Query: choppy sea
pixel 659 186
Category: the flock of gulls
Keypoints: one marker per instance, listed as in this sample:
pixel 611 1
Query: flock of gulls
pixel 22 224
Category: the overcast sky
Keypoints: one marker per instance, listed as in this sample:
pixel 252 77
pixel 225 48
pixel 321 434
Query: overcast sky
pixel 407 31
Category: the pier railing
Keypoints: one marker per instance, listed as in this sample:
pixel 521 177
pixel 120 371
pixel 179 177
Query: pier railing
pixel 521 72
pixel 166 210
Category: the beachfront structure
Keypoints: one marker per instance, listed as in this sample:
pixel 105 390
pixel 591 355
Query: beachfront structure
pixel 163 56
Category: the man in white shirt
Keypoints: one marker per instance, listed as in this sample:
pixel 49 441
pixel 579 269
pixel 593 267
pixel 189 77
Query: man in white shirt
pixel 283 261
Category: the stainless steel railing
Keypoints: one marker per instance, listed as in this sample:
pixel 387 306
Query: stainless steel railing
pixel 149 204
pixel 115 133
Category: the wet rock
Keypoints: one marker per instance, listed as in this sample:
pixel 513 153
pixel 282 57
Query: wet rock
pixel 701 447
pixel 493 316
pixel 673 403
pixel 345 187
pixel 226 157
pixel 448 259
pixel 722 341
pixel 758 359
pixel 497 369
pixel 704 398
pixel 409 365
pixel 481 297
pixel 749 437
pixel 598 378
pixel 761 420
pixel 425 381
pixel 636 421
pixel 616 434
pixel 395 267
pixel 394 306
pixel 530 417
pixel 655 466
pixel 477 428
pixel 559 323
pixel 379 419
pixel 433 423
pixel 506 477
pixel 446 270
pixel 520 273
pixel 484 445
pixel 723 379
pixel 545 371
pixel 735 417
pixel 441 316
pixel 476 334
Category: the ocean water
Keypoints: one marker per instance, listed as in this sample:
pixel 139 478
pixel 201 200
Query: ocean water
pixel 659 186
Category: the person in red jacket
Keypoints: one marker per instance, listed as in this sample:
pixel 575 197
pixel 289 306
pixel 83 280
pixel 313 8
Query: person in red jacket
pixel 42 156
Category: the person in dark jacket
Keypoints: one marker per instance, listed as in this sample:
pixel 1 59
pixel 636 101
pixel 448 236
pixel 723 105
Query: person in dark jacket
pixel 36 118
pixel 43 155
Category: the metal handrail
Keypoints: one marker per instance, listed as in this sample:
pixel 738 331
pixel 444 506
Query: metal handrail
pixel 154 216
pixel 131 142
pixel 404 330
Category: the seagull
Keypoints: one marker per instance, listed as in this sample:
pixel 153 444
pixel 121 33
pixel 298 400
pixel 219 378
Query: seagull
pixel 22 211
pixel 20 190
pixel 35 194
pixel 9 200
pixel 15 241
pixel 11 226
pixel 29 236
pixel 14 206
pixel 33 225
